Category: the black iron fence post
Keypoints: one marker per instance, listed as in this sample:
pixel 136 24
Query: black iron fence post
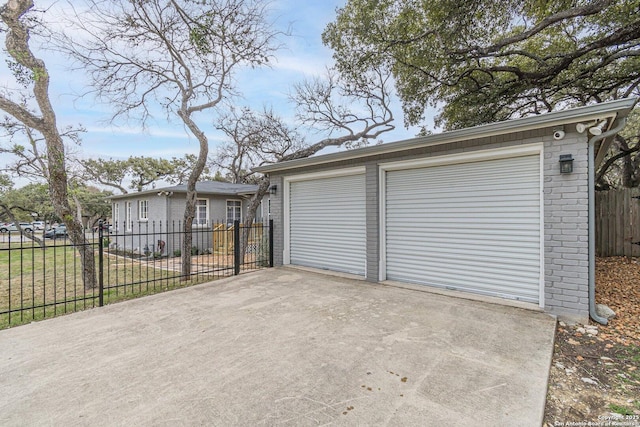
pixel 236 247
pixel 100 265
pixel 270 243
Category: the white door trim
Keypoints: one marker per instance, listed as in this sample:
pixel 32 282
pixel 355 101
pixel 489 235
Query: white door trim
pixel 466 157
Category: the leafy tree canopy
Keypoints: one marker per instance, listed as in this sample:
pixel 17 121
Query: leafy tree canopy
pixel 23 202
pixel 488 60
pixel 6 183
pixel 140 172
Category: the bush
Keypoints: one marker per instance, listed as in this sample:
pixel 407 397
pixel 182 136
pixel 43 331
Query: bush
pixel 177 253
pixel 194 251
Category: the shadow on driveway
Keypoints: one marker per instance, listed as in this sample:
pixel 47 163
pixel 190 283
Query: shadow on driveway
pixel 280 347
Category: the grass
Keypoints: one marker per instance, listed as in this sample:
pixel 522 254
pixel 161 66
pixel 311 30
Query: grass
pixel 622 410
pixel 46 282
pixel 630 355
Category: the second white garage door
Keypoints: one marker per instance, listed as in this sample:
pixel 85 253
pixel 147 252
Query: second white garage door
pixel 472 226
pixel 327 223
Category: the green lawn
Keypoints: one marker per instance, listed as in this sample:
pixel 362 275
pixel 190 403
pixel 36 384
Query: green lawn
pixel 45 282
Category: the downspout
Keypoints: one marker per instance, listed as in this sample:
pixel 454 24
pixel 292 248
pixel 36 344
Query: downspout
pixel 591 143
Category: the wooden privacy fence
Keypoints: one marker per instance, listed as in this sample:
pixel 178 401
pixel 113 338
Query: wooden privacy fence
pixel 223 238
pixel 618 222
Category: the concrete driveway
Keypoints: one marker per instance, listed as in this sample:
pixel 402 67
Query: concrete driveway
pixel 280 347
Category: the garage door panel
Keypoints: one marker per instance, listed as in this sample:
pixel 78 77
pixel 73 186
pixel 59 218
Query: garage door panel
pixel 446 251
pixel 423 212
pixel 473 226
pixel 467 263
pixel 448 195
pixel 468 233
pixel 482 276
pixel 327 223
pixel 490 288
pixel 505 220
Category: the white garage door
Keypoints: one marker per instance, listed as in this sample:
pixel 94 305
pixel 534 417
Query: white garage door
pixel 327 223
pixel 471 226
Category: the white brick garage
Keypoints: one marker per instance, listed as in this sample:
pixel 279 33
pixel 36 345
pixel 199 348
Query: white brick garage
pixel 454 222
pixel 562 245
pixel 325 221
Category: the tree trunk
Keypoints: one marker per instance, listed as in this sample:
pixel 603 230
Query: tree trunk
pixel 59 198
pixel 190 207
pixel 189 214
pixel 254 202
pixel 17 43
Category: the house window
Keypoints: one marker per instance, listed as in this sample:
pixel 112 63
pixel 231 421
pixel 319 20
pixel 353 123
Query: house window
pixel 202 212
pixel 127 216
pixel 234 211
pixel 116 216
pixel 143 210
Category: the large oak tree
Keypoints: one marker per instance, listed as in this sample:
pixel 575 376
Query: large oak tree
pixel 31 73
pixel 180 55
pixel 351 110
pixel 488 60
pixel 481 61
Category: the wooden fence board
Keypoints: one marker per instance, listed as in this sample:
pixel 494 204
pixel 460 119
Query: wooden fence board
pixel 635 223
pixel 618 222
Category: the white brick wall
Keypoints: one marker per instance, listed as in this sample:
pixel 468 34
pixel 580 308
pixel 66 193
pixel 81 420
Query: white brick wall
pixel 566 229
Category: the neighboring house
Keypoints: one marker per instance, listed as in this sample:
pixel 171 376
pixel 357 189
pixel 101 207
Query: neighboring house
pixel 159 213
pixel 498 210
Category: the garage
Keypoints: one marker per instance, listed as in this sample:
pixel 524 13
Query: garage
pixel 504 210
pixel 326 221
pixel 458 223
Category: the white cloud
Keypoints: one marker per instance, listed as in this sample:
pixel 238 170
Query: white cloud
pixel 308 66
pixel 153 132
pixel 303 55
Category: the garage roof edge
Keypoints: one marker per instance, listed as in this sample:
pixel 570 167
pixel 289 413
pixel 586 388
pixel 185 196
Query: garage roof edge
pixel 617 108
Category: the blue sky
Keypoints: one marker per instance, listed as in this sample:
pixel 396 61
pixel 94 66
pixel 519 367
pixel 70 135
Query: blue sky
pixel 302 55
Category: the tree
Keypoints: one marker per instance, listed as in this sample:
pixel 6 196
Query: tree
pixel 147 170
pixel 91 203
pixel 178 54
pixel 253 138
pixel 31 71
pixel 29 149
pixel 140 171
pixel 32 198
pixel 6 186
pixel 110 173
pixel 489 60
pixel 350 109
pixel 181 169
pixel 18 205
pixel 6 183
pixel 621 168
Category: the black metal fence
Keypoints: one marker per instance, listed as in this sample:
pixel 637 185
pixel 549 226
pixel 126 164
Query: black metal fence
pixel 41 280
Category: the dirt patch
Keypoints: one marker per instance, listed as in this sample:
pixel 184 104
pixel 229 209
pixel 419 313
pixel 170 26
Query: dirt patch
pixel 595 372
